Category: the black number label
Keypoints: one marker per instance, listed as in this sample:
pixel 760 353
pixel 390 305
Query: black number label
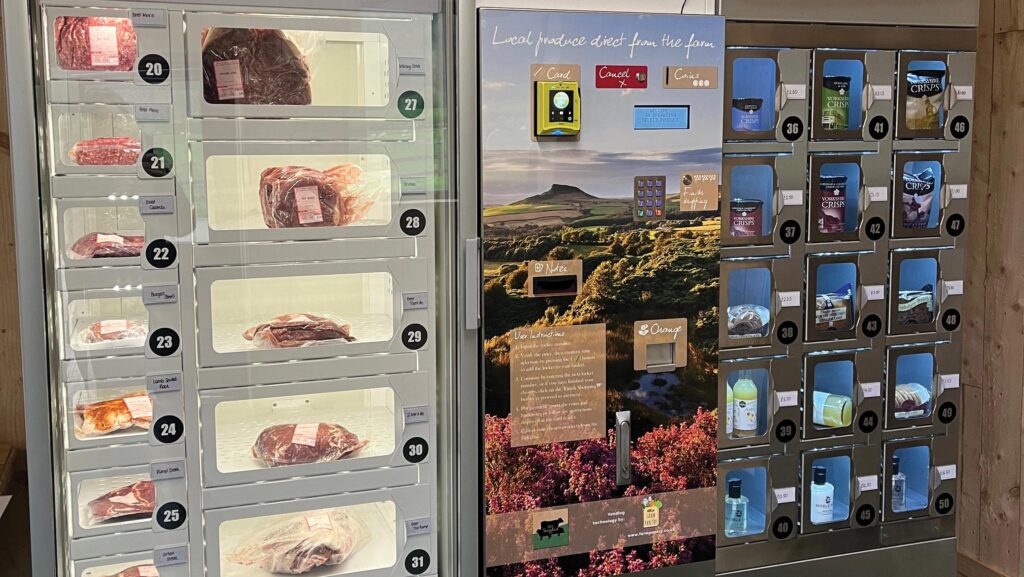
pixel 161 253
pixel 789 232
pixel 157 162
pixel 417 562
pixel 960 127
pixel 168 429
pixel 875 228
pixel 788 333
pixel 154 69
pixel 171 516
pixel 868 422
pixel 951 320
pixel 944 504
pixel 785 431
pixel 413 222
pixel 782 528
pixel 410 104
pixel 866 515
pixel 416 450
pixel 872 326
pixel 956 225
pixel 164 342
pixel 947 413
pixel 878 128
pixel 414 337
pixel 792 128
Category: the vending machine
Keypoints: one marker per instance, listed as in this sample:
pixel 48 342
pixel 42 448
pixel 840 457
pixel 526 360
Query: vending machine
pixel 845 185
pixel 236 272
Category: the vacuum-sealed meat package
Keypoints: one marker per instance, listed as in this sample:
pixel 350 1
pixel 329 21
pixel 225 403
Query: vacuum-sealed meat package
pixel 305 443
pixel 105 417
pixel 299 330
pixel 296 196
pixel 129 501
pixel 302 543
pixel 107 245
pixel 106 151
pixel 95 43
pixel 114 330
pixel 254 66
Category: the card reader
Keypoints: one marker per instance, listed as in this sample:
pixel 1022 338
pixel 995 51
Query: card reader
pixel 558 108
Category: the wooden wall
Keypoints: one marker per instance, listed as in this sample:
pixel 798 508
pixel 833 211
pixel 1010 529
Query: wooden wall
pixel 990 506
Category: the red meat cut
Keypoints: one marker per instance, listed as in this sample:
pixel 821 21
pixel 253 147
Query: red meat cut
pixel 107 245
pixel 107 151
pixel 298 330
pixel 296 196
pixel 302 543
pixel 95 43
pixel 139 571
pixel 114 330
pixel 254 66
pixel 305 443
pixel 128 501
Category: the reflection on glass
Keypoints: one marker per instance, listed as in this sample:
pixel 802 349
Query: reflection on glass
pixel 754 83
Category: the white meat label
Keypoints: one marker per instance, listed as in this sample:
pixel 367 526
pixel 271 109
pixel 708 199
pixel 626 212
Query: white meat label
pixel 228 77
pixel 103 46
pixel 305 434
pixel 128 499
pixel 148 571
pixel 112 327
pixel 140 407
pixel 307 204
pixel 111 238
pixel 321 522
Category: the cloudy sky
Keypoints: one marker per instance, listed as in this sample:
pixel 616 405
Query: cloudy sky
pixel 610 153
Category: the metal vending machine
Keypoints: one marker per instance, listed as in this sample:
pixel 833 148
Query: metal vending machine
pixel 235 261
pixel 600 157
pixel 845 193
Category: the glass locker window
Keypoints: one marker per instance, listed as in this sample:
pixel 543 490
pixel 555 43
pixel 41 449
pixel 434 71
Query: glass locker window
pixel 830 490
pixel 751 202
pixel 917 292
pixel 121 499
pixel 754 85
pixel 837 206
pixel 749 303
pixel 746 502
pixel 842 85
pixel 926 91
pixel 97 136
pixel 114 231
pixel 95 43
pixel 115 414
pixel 832 404
pixel 107 323
pixel 921 195
pixel 911 468
pixel 748 389
pixel 835 306
pixel 915 384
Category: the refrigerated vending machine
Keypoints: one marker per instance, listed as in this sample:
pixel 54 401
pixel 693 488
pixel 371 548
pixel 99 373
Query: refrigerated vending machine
pixel 845 193
pixel 236 322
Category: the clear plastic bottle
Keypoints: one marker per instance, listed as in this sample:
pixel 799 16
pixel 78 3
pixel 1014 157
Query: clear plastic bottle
pixel 899 487
pixel 729 412
pixel 736 510
pixel 822 497
pixel 745 409
pixel 832 411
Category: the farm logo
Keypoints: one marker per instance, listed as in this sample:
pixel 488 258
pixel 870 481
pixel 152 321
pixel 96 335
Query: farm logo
pixel 550 529
pixel 652 512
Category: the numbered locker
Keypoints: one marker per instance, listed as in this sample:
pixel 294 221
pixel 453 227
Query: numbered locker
pixel 765 196
pixel 325 67
pixel 936 95
pixel 762 300
pixel 923 386
pixel 118 412
pixel 920 478
pixel 370 534
pixel 840 489
pixel 132 224
pixel 928 287
pixel 124 499
pixel 109 139
pixel 251 314
pixel 843 395
pixel 853 95
pixel 762 400
pixel 849 200
pixel 164 562
pixel 268 191
pixel 758 500
pixel 766 95
pixel 89 44
pixel 932 190
pixel 848 296
pixel 258 434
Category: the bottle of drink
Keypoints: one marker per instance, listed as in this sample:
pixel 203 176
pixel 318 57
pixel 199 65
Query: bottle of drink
pixel 735 510
pixel 832 411
pixel 899 487
pixel 729 412
pixel 822 497
pixel 745 406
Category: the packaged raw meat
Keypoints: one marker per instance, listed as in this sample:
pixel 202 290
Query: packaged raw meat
pixel 305 443
pixel 296 196
pixel 95 43
pixel 139 571
pixel 105 417
pixel 106 245
pixel 114 330
pixel 116 151
pixel 302 543
pixel 129 501
pixel 299 330
pixel 254 66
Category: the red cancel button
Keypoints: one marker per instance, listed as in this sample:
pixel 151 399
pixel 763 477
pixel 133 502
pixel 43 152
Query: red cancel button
pixel 621 77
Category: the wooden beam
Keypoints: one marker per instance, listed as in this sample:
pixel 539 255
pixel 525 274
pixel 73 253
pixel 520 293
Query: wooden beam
pixel 969 567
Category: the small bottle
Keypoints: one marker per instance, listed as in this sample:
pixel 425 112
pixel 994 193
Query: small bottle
pixel 832 411
pixel 728 411
pixel 745 409
pixel 899 487
pixel 736 510
pixel 822 497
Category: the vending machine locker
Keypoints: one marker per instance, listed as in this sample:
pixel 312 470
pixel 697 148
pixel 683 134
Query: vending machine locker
pixel 248 264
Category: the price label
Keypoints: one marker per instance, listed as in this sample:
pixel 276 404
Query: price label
pixel 789 299
pixel 871 390
pixel 875 292
pixel 964 92
pixel 954 288
pixel 949 382
pixel 792 198
pixel 868 483
pixel 881 92
pixel 796 91
pixel 947 472
pixel 958 191
pixel 878 193
pixel 785 495
pixel 787 398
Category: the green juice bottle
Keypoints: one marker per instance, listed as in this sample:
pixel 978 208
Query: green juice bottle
pixel 745 418
pixel 729 405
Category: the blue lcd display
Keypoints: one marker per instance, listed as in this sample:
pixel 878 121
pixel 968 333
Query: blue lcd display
pixel 661 117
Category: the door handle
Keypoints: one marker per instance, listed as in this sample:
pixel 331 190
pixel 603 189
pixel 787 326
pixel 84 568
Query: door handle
pixel 623 434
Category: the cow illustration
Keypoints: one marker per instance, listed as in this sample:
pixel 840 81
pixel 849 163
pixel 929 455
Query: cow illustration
pixel 549 529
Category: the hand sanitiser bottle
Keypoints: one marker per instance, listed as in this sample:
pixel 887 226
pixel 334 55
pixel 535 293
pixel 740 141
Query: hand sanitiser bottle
pixel 735 510
pixel 729 412
pixel 745 407
pixel 899 487
pixel 822 497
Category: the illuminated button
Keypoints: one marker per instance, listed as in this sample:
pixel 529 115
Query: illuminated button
pixel 561 100
pixel 657 212
pixel 658 203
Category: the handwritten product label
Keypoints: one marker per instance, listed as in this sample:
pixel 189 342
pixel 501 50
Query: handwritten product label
pixel 307 204
pixel 622 77
pixel 113 327
pixel 878 193
pixel 149 18
pixel 305 434
pixel 160 295
pixel 868 483
pixel 167 471
pixel 964 92
pixel 415 301
pixel 789 299
pixel 415 527
pixel 152 113
pixel 412 67
pixel 954 288
pixel 163 383
pixel 698 191
pixel 139 407
pixel 787 398
pixel 228 77
pixel 691 77
pixel 881 92
pixel 796 91
pixel 785 495
pixel 320 522
pixel 171 556
pixel 958 191
pixel 103 46
pixel 156 205
pixel 792 198
pixel 947 473
pixel 871 390
pixel 874 292
pixel 950 382
pixel 417 415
